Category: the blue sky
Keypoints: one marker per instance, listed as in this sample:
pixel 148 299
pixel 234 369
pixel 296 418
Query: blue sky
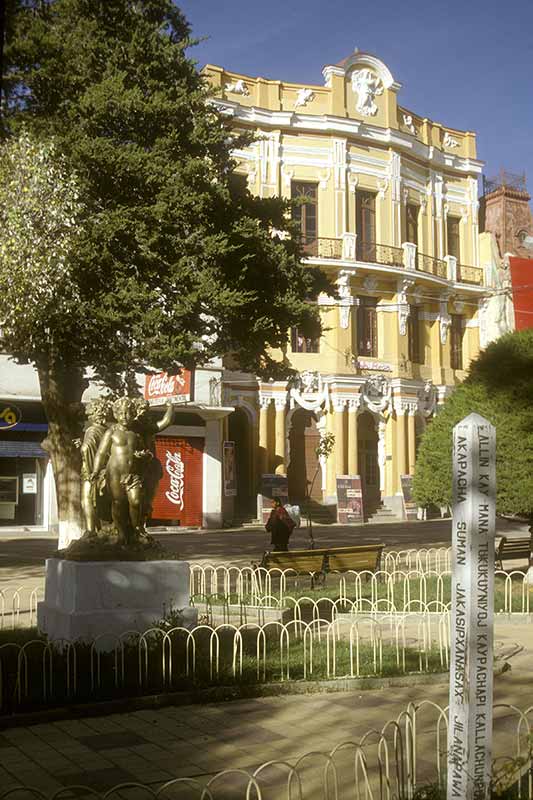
pixel 466 64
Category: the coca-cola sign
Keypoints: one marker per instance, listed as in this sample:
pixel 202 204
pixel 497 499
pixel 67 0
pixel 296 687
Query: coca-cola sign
pixel 176 472
pixel 161 386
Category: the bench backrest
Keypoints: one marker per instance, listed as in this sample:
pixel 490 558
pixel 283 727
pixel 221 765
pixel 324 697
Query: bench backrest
pixel 334 559
pixel 356 558
pixel 299 560
pixel 513 548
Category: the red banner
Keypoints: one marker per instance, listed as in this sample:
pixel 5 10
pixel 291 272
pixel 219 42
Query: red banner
pixel 161 386
pixel 180 493
pixel 521 274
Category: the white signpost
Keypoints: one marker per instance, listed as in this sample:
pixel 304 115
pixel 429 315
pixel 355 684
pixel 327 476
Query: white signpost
pixel 472 620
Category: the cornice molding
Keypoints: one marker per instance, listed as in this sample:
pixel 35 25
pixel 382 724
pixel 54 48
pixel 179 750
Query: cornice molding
pixel 326 123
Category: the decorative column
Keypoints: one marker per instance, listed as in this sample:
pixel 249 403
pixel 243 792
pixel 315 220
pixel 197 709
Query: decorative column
pixel 401 443
pixel 353 456
pixel 411 436
pixel 340 450
pixel 262 461
pixel 280 451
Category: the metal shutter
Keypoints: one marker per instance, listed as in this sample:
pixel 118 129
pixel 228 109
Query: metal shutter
pixel 180 492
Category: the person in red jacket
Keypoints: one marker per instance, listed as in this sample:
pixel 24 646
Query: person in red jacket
pixel 280 526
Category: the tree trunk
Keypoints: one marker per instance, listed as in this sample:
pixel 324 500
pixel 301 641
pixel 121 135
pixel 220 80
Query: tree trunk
pixel 61 391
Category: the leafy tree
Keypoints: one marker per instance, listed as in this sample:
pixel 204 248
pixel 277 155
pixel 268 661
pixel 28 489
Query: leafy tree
pixel 500 388
pixel 166 263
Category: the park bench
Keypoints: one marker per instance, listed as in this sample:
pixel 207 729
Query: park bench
pixel 355 557
pixel 510 549
pixel 330 559
pixel 303 562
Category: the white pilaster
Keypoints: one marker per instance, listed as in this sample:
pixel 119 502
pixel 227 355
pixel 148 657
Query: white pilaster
pixel 212 477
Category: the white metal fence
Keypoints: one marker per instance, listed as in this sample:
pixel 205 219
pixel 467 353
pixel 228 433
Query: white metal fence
pixel 231 594
pixel 38 673
pixel 390 763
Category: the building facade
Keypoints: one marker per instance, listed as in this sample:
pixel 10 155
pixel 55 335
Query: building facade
pixel 506 214
pixel 190 493
pixel 390 213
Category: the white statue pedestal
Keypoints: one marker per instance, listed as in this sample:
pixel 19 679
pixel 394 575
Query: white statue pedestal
pixel 87 599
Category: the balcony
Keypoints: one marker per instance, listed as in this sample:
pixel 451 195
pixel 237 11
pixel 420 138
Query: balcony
pixel 469 275
pixel 349 248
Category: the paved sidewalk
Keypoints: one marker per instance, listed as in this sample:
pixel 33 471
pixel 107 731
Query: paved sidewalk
pixel 153 746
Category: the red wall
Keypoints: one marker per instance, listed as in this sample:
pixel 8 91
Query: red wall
pixel 522 283
pixel 179 494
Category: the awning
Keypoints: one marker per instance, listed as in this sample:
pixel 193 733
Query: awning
pixel 16 449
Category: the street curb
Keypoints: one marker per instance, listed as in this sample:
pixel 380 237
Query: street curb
pixel 219 694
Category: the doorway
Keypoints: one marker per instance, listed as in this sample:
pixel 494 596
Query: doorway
pixel 367 447
pixel 304 471
pixel 239 431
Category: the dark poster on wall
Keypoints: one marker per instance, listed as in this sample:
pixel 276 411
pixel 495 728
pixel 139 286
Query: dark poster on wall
pixel 409 506
pixel 349 499
pixel 272 487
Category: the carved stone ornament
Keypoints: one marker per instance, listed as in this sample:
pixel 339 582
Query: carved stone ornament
pixel 370 284
pixel 459 306
pixel 404 309
pixel 303 96
pixel 310 381
pixel 346 300
pixel 288 175
pixel 428 396
pixel 238 87
pixel 445 320
pixel 367 86
pixel 376 393
pixel 324 176
pixel 353 180
pixel 409 124
pixel 449 141
pixel 383 185
pixel 308 391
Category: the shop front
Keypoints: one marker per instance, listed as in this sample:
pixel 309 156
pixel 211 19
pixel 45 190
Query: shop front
pixel 25 472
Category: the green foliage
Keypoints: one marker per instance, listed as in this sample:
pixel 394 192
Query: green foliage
pixel 325 446
pixel 40 209
pixel 500 388
pixel 171 264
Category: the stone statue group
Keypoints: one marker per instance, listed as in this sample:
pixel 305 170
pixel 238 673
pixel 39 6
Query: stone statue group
pixel 119 468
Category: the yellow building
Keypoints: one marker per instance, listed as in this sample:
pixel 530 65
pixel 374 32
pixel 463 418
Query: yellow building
pixel 392 216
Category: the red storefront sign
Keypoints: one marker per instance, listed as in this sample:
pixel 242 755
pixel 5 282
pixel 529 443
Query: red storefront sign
pixel 179 495
pixel 161 386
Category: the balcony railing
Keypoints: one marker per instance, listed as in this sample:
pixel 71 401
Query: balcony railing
pixel 467 274
pixel 432 265
pixel 321 247
pixel 350 248
pixel 374 253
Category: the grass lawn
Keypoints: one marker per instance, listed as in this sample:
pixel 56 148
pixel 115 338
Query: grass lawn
pixel 92 677
pixel 402 593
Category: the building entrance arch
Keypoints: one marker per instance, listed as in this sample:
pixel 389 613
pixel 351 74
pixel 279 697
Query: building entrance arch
pixel 240 432
pixel 304 472
pixel 368 459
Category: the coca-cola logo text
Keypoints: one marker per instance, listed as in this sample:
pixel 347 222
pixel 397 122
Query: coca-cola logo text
pixel 176 473
pixel 163 385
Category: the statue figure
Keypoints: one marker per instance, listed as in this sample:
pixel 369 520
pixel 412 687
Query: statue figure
pixel 126 452
pixel 148 428
pixel 99 415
